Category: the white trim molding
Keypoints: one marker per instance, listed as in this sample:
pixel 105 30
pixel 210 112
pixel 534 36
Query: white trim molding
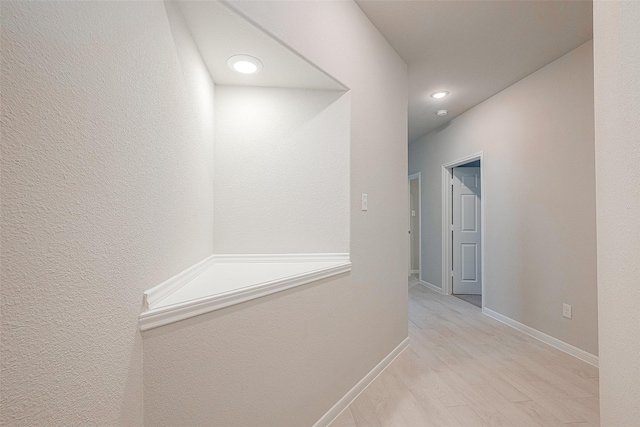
pixel 432 287
pixel 541 336
pixel 154 295
pixel 352 394
pixel 158 311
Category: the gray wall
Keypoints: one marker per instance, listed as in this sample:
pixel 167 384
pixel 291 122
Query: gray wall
pixel 286 359
pixel 617 107
pixel 539 191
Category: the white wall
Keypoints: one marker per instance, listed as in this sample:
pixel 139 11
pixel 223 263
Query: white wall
pixel 617 108
pixel 196 78
pixel 107 186
pixel 539 191
pixel 285 359
pixel 281 171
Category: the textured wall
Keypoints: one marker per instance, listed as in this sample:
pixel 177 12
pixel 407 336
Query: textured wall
pixel 106 191
pixel 539 192
pixel 281 170
pixel 285 359
pixel 617 107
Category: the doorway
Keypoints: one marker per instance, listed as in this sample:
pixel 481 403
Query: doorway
pixel 463 243
pixel 414 229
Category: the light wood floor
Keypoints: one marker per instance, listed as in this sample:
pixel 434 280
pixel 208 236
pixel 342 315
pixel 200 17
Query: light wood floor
pixel 465 369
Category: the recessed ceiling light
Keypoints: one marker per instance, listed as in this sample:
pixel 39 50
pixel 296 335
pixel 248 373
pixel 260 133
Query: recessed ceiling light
pixel 439 94
pixel 244 64
pixel 441 113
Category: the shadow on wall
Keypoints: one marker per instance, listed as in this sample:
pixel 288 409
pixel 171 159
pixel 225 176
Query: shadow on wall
pixel 281 171
pixel 281 137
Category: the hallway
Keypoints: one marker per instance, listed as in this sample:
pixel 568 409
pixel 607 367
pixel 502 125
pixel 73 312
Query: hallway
pixel 465 369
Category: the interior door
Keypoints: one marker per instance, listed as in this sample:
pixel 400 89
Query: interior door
pixel 414 215
pixel 410 237
pixel 467 276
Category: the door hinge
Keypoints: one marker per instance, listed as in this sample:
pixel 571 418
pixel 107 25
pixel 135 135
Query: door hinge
pixel 451 273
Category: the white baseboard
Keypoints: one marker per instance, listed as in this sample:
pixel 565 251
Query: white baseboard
pixel 415 271
pixel 547 339
pixel 432 287
pixel 351 395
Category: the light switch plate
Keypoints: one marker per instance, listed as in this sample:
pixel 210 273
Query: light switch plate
pixel 566 310
pixel 365 204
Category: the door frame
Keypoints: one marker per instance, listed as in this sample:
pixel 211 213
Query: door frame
pixel 447 244
pixel 417 176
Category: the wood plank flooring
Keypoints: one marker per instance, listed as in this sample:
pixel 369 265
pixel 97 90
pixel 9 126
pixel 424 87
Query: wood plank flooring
pixel 465 369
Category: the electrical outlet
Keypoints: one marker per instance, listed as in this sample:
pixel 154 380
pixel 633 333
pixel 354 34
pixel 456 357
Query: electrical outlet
pixel 566 310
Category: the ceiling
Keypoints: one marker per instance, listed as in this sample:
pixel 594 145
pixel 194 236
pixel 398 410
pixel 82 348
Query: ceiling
pixel 473 49
pixel 220 33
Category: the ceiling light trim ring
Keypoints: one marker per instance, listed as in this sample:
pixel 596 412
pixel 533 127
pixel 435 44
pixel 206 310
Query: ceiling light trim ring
pixel 245 64
pixel 439 94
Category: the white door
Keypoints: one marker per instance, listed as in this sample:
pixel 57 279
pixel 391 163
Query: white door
pixel 467 277
pixel 414 217
pixel 409 231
